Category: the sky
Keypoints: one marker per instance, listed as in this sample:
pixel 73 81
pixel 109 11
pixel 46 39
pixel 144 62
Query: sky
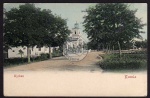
pixel 73 12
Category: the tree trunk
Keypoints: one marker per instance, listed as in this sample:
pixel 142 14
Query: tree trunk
pixel 119 49
pixel 61 50
pixel 113 48
pixel 21 58
pixel 107 49
pixel 28 53
pixel 50 54
pixel 103 47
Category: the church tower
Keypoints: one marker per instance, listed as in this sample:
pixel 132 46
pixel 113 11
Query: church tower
pixel 75 30
pixel 75 39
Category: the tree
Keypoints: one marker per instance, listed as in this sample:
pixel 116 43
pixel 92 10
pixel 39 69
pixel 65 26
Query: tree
pixel 5 46
pixel 57 34
pixel 111 24
pixel 27 26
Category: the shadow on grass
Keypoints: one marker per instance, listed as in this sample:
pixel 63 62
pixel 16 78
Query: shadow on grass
pixel 128 62
pixel 125 71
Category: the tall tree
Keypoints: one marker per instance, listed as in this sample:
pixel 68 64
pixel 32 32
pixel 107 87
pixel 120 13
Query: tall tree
pixel 27 26
pixel 112 23
pixel 57 34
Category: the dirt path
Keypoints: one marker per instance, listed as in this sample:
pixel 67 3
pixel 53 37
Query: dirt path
pixel 61 63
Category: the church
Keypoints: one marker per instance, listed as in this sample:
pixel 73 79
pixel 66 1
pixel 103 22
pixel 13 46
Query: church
pixel 75 41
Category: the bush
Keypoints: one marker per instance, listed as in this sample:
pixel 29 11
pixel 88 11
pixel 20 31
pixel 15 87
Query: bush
pixel 17 61
pixel 56 53
pixel 122 65
pixel 125 62
pixel 44 56
pixel 140 52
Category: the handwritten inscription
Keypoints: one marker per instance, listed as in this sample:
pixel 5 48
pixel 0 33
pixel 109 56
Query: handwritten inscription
pixel 130 76
pixel 18 76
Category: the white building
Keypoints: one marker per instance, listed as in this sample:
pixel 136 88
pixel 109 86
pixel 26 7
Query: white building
pixel 75 38
pixel 35 51
pixel 133 43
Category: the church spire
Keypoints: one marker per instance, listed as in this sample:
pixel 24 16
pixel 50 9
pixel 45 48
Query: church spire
pixel 76 25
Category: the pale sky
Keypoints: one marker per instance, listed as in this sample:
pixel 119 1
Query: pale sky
pixel 73 12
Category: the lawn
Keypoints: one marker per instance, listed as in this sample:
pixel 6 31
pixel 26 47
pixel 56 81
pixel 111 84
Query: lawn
pixel 128 61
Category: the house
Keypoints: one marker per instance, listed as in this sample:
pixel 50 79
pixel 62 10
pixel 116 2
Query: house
pixel 34 51
pixel 134 47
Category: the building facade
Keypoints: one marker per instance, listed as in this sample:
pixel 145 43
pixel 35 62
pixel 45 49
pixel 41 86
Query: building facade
pixel 75 42
pixel 35 51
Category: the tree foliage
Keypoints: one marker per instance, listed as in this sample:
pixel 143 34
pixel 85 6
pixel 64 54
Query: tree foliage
pixel 110 23
pixel 30 26
pixel 26 25
pixel 59 32
pixel 141 44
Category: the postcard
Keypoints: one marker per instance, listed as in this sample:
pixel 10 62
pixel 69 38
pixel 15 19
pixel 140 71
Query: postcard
pixel 75 49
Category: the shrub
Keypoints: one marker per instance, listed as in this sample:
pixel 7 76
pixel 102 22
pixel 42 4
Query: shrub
pixel 17 61
pixel 14 61
pixel 139 52
pixel 44 56
pixel 126 62
pixel 57 53
pixel 121 65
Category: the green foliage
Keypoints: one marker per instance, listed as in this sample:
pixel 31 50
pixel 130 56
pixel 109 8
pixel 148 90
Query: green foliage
pixel 109 23
pixel 132 61
pixel 14 61
pixel 92 45
pixel 44 56
pixel 58 34
pixel 26 26
pixel 18 61
pixel 141 44
pixel 30 26
pixel 140 52
pixel 57 53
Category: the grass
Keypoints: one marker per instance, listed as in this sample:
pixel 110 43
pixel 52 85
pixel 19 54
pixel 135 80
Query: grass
pixel 127 61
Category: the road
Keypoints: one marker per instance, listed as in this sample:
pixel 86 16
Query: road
pixel 61 63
